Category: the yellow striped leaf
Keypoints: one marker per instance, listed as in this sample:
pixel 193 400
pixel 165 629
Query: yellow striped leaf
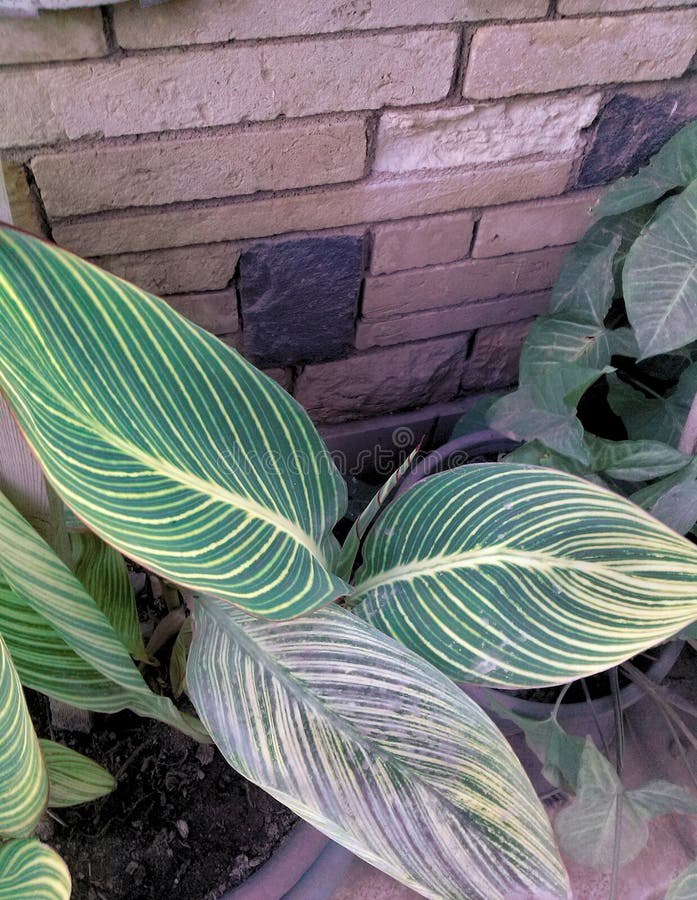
pixel 72 777
pixel 165 441
pixel 377 749
pixel 103 573
pixel 514 575
pixel 23 781
pixel 29 870
pixel 43 605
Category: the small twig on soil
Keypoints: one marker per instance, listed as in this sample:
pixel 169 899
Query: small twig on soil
pixel 688 438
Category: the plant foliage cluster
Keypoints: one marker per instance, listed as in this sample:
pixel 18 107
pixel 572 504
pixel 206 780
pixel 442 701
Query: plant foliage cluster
pixel 153 433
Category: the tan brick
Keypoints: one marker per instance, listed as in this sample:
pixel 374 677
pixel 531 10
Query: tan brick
pixel 216 311
pixel 372 201
pixel 69 34
pixel 548 56
pixel 432 323
pixel 483 134
pixel 495 357
pixel 259 158
pixel 583 7
pixel 530 226
pixel 23 206
pixel 223 85
pixel 207 21
pixel 421 242
pixel 384 380
pixel 205 267
pixel 452 285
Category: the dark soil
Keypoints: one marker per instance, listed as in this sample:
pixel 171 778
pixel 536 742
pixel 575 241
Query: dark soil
pixel 181 823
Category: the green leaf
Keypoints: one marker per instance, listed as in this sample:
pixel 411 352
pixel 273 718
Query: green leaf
pixel 517 576
pixel 560 753
pixel 645 418
pixel 62 617
pixel 558 339
pixel 677 507
pixel 544 408
pixel 165 441
pixel 660 798
pixel 535 453
pixel 177 661
pixel 684 887
pixel 352 544
pixel 634 460
pixel 374 747
pixel 103 573
pixel 586 828
pixel 674 166
pixel 660 277
pixel 476 417
pixel 23 780
pixel 585 286
pixel 72 777
pixel 30 870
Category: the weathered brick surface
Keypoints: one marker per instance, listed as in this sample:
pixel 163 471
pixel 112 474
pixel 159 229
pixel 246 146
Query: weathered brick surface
pixel 69 34
pixel 473 279
pixel 23 206
pixel 495 357
pixel 215 311
pixel 372 201
pixel 583 7
pixel 223 85
pixel 530 226
pixel 259 158
pixel 299 298
pixel 281 375
pixel 383 380
pixel 206 267
pixel 208 21
pixel 633 126
pixel 435 322
pixel 490 133
pixel 421 242
pixel 548 56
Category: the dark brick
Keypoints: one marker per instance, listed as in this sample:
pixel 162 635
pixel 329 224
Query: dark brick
pixel 299 299
pixel 631 128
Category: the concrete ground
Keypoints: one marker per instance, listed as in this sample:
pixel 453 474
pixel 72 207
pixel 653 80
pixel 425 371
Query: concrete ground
pixel 650 753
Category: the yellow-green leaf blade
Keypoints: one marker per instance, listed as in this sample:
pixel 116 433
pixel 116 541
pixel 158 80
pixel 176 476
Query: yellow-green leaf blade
pixel 374 747
pixel 72 777
pixel 162 439
pixel 32 575
pixel 23 780
pixel 29 870
pixel 520 576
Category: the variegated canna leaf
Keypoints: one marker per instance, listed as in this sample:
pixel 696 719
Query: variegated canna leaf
pixel 72 777
pixel 165 441
pixel 103 573
pixel 23 780
pixel 44 607
pixel 519 576
pixel 374 747
pixel 29 870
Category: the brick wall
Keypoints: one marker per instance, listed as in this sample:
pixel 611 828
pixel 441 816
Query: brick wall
pixel 370 198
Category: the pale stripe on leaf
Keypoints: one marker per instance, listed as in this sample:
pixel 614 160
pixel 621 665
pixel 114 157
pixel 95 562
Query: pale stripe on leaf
pixel 165 441
pixel 29 870
pixel 373 746
pixel 514 575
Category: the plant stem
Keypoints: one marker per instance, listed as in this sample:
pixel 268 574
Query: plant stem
pixel 688 438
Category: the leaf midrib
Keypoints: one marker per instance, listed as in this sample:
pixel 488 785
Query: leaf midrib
pixel 540 562
pixel 185 479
